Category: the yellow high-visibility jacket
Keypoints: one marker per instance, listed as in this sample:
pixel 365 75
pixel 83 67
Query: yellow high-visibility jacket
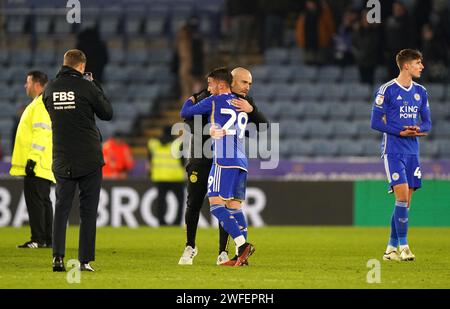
pixel 34 141
pixel 164 167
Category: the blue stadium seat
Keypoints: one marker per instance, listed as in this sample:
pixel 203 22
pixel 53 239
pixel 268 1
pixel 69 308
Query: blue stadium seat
pixel 439 111
pixel 333 92
pixel 276 56
pixel 296 56
pixel 15 24
pixel 349 148
pixel 381 76
pixel 21 57
pixel 310 92
pixel 364 129
pixel 362 111
pixel 301 148
pixel 42 24
pixel 271 110
pixel 441 129
pixel 344 129
pixel 279 74
pixel 109 25
pixel 154 25
pixel 371 147
pixel 324 148
pixel 358 92
pixel 429 149
pixel 286 92
pixel 444 148
pixel 305 73
pixel 116 55
pixel 436 92
pixel 339 110
pixel 350 74
pixel 329 73
pixel 316 111
pixel 263 92
pixel 137 56
pixel 291 110
pixel 319 129
pixel 44 58
pixel 159 56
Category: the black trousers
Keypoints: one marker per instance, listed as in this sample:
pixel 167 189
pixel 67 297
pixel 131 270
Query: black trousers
pixel 163 188
pixel 89 193
pixel 39 206
pixel 197 188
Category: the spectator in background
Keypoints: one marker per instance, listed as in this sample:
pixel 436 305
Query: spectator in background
pixel 366 48
pixel 117 156
pixel 342 52
pixel 189 57
pixel 241 25
pixel 397 36
pixel 314 31
pixel 94 48
pixel 166 173
pixel 434 50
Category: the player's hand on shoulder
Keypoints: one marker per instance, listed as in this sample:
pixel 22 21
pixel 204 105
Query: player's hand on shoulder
pixel 216 132
pixel 242 105
pixel 202 94
pixel 412 131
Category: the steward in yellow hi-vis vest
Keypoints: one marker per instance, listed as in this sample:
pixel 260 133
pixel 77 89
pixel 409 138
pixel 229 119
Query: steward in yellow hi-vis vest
pixel 164 167
pixel 34 142
pixel 32 158
pixel 167 174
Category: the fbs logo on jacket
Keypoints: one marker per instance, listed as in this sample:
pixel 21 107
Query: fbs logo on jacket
pixel 64 100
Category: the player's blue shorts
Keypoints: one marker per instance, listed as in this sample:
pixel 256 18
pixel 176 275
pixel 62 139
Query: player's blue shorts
pixel 227 183
pixel 402 168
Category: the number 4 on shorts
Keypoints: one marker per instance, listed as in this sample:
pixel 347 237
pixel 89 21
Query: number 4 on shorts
pixel 418 173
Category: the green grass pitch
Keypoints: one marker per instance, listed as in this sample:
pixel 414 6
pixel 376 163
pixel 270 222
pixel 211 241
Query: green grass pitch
pixel 285 257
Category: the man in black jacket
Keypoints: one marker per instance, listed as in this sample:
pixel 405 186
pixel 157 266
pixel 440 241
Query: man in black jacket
pixel 72 102
pixel 198 167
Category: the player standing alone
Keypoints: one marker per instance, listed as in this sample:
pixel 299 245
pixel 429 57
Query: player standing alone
pixel 228 176
pixel 395 113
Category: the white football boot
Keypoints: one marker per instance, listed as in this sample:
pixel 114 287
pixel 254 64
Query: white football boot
pixel 222 258
pixel 407 255
pixel 391 256
pixel 188 256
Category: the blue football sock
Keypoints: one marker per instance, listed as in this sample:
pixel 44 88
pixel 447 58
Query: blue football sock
pixel 240 218
pixel 227 221
pixel 401 222
pixel 393 240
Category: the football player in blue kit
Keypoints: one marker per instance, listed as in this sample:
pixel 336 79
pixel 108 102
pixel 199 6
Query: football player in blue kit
pixel 402 113
pixel 228 176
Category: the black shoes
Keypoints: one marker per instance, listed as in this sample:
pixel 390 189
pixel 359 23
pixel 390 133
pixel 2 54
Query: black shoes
pixel 32 245
pixel 58 264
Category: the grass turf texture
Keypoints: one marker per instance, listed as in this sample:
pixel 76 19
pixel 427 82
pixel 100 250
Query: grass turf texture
pixel 285 257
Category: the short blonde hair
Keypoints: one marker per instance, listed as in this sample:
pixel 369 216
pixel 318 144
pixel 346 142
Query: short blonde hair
pixel 74 57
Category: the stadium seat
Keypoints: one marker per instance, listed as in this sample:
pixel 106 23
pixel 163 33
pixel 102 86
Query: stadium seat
pixel 279 74
pixel 358 92
pixel 364 129
pixel 316 111
pixel 291 110
pixel 350 74
pixel 305 73
pixel 260 73
pixel 324 148
pixel 301 148
pixel 441 129
pixel 344 129
pixel 429 149
pixel 349 148
pixel 436 92
pixel 319 129
pixel 310 92
pixel 329 73
pixel 334 92
pixel 340 110
pixel 371 147
pixel 154 25
pixel 276 56
pixel 362 111
pixel 285 92
pixel 444 148
pixel 439 111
